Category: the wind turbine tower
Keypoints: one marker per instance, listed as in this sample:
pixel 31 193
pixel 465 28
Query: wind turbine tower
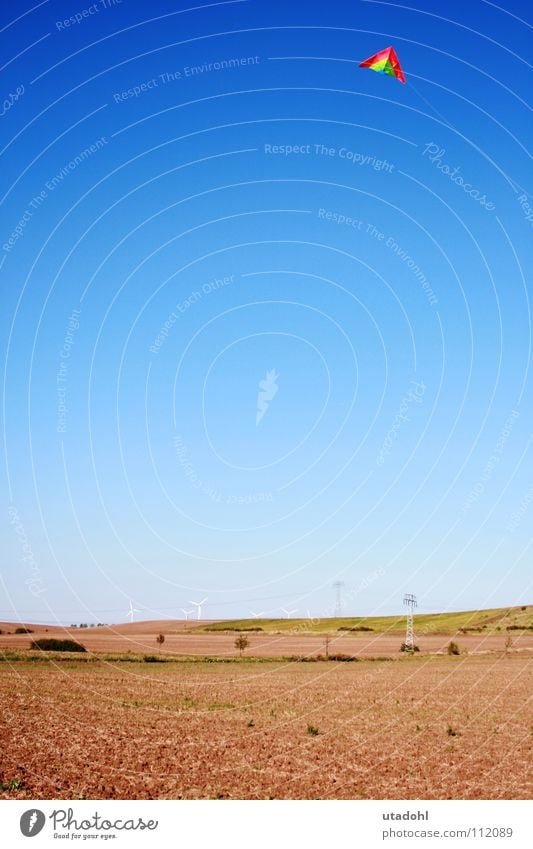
pixel 132 611
pixel 410 603
pixel 198 605
pixel 186 613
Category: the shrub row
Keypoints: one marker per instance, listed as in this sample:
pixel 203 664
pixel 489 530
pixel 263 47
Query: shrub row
pixel 50 644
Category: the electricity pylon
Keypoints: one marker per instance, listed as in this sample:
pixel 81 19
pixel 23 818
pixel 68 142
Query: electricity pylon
pixel 410 602
pixel 338 585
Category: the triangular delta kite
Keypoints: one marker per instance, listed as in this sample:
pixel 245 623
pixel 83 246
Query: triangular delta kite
pixel 385 62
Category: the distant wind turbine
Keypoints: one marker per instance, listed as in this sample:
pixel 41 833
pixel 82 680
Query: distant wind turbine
pixel 288 612
pixel 257 615
pixel 198 605
pixel 186 613
pixel 132 611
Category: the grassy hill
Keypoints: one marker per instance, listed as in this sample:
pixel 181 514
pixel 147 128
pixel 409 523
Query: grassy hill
pixel 469 621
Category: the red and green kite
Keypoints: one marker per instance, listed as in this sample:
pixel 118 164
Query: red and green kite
pixel 385 62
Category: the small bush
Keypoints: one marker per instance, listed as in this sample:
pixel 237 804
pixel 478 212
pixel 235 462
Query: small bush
pixel 50 644
pixel 355 628
pixel 451 732
pixel 303 658
pixel 312 730
pixel 342 658
pixel 23 631
pixel 453 648
pixel 151 658
pixel 14 784
pixel 405 648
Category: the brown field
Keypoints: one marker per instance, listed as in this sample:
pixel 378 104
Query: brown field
pixel 140 638
pixel 422 727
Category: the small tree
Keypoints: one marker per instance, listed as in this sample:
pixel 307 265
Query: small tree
pixel 160 639
pixel 242 642
pixel 453 648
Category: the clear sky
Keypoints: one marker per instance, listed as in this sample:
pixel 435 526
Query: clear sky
pixel 266 315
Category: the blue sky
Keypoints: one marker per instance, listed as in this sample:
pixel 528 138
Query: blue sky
pixel 199 201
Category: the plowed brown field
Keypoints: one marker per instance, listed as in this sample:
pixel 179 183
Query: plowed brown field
pixel 140 638
pixel 423 727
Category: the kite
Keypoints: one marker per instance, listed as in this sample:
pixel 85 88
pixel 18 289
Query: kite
pixel 385 62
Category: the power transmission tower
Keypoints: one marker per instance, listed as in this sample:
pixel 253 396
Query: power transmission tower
pixel 410 602
pixel 337 586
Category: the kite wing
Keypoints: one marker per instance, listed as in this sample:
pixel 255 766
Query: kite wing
pixel 385 62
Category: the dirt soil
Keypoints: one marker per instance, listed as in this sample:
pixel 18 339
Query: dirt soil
pixel 423 727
